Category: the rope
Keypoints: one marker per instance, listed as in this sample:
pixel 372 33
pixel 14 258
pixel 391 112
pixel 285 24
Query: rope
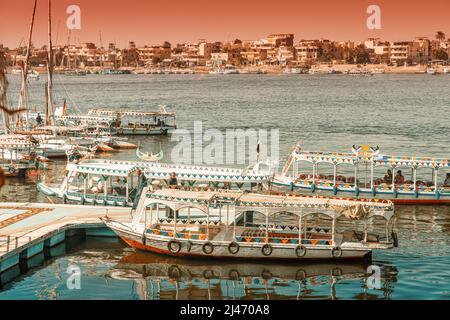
pixel 77 110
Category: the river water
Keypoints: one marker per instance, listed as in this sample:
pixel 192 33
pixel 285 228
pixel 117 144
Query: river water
pixel 403 114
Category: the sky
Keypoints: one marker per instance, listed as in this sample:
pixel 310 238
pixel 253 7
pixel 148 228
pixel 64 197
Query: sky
pixel 155 21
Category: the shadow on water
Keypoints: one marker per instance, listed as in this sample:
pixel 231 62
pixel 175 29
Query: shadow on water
pixel 159 277
pixel 129 274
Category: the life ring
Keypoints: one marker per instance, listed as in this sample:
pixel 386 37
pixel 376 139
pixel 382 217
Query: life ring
pixel 174 246
pixel 233 247
pixel 266 250
pixel 208 274
pixel 12 170
pixel 174 272
pixel 208 248
pixel 300 251
pixel 336 252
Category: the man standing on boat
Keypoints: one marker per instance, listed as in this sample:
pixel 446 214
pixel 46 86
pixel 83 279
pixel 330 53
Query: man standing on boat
pixel 39 119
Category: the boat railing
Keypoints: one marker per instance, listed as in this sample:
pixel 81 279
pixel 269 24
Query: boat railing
pixel 377 185
pixel 97 196
pixel 203 237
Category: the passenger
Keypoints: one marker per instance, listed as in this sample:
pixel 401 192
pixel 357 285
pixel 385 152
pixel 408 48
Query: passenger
pixel 388 177
pixel 173 183
pixel 39 119
pixel 399 178
pixel 447 180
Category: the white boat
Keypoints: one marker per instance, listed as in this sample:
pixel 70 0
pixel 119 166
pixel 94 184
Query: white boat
pixel 243 225
pixel 129 122
pixel 431 71
pixel 360 173
pixel 228 69
pixel 378 71
pixel 33 75
pixel 54 148
pixel 16 157
pixel 74 187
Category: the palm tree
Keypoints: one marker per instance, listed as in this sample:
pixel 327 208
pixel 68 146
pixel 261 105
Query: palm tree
pixel 440 36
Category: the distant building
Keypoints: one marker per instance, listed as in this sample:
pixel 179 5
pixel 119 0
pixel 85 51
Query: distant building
pixel 205 49
pixel 400 52
pixel 305 52
pixel 281 39
pixel 421 50
pixel 154 54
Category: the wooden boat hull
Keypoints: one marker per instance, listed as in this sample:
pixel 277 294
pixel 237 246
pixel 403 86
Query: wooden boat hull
pixel 123 145
pixel 194 249
pixel 101 147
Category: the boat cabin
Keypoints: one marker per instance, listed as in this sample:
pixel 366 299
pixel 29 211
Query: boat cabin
pixel 365 171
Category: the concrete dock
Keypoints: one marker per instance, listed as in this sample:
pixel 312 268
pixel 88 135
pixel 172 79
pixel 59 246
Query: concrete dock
pixel 27 228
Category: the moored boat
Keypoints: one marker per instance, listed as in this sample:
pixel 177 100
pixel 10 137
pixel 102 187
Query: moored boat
pixel 243 225
pixel 360 173
pixel 129 122
pixel 431 71
pixel 125 180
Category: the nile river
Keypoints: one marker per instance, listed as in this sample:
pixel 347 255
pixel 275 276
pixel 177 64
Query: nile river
pixel 403 114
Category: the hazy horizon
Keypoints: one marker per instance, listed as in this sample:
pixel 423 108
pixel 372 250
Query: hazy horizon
pixel 156 21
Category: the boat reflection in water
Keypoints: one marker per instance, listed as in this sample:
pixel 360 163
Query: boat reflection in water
pixel 159 277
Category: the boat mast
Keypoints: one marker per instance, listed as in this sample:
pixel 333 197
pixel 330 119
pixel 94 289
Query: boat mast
pixel 49 114
pixel 26 65
pixel 3 92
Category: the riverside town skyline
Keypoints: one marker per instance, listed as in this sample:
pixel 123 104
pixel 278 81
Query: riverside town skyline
pixel 274 50
pixel 161 21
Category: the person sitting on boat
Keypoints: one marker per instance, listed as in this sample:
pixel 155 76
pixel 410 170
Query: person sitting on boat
pixel 447 181
pixel 399 178
pixel 39 119
pixel 173 183
pixel 388 176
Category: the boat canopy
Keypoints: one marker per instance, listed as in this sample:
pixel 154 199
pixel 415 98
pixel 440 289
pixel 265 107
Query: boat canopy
pixel 381 160
pixel 269 203
pixel 196 173
pixel 111 112
pixel 186 172
pixel 105 169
